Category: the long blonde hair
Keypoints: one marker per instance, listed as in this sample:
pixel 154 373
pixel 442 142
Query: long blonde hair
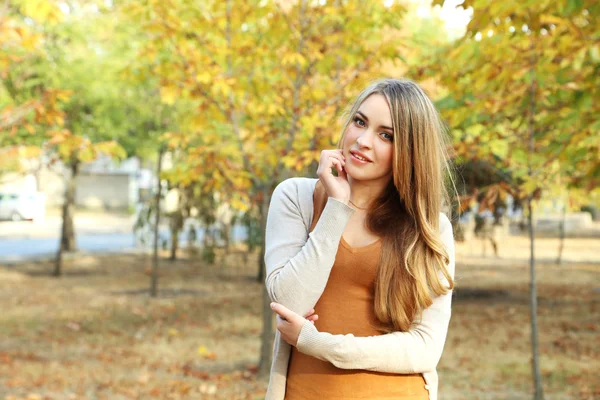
pixel 406 215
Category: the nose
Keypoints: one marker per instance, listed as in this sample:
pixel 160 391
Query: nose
pixel 365 140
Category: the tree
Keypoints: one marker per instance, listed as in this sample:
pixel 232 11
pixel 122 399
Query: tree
pixel 28 105
pixel 67 55
pixel 520 87
pixel 254 123
pixel 93 126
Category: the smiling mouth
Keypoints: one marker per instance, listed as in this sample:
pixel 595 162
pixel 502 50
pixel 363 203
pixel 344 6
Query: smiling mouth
pixel 359 157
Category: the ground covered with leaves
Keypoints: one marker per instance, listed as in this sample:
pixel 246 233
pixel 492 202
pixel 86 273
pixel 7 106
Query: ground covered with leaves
pixel 96 334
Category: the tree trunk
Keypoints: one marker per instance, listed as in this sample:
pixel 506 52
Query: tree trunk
pixel 206 239
pixel 268 334
pixel 539 394
pixel 176 224
pixel 177 220
pixel 561 234
pixel 174 242
pixel 537 376
pixel 262 215
pixel 68 231
pixel 67 237
pixel 154 282
pixel 251 227
pixel 266 350
pixel 227 236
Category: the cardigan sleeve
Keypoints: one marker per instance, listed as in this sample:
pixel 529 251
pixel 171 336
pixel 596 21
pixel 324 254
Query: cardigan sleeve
pixel 415 351
pixel 298 263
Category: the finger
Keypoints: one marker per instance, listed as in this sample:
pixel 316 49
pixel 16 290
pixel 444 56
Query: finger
pixel 337 156
pixel 343 174
pixel 281 319
pixel 311 312
pixel 281 324
pixel 282 311
pixel 338 165
pixel 327 161
pixel 333 162
pixel 326 154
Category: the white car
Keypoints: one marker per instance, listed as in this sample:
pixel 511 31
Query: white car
pixel 22 206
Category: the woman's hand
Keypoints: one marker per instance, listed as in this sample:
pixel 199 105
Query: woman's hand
pixel 289 324
pixel 311 316
pixel 336 186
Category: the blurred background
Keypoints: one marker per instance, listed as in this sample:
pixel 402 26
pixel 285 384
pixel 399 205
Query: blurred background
pixel 140 142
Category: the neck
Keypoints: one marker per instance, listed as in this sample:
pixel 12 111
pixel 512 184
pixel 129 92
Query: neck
pixel 362 193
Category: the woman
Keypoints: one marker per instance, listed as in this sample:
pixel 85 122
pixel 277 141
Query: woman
pixel 370 251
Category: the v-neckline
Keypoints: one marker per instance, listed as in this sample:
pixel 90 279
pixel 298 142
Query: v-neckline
pixel 358 249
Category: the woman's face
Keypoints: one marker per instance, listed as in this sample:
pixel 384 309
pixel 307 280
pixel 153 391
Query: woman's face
pixel 370 136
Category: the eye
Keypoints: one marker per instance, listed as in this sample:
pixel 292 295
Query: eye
pixel 387 136
pixel 359 122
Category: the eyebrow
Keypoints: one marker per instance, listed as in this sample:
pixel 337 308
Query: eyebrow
pixel 367 119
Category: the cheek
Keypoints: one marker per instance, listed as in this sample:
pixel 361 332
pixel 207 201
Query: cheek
pixel 386 155
pixel 349 137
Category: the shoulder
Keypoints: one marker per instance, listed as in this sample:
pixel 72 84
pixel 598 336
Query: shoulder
pixel 297 190
pixel 444 223
pixel 446 232
pixel 296 194
pixel 293 198
pixel 447 238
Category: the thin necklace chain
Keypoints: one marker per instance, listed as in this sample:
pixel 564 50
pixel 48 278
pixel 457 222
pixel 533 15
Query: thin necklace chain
pixel 360 208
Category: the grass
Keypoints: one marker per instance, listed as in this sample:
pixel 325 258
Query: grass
pixel 96 334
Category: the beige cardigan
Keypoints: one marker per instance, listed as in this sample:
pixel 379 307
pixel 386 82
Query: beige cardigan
pixel 298 266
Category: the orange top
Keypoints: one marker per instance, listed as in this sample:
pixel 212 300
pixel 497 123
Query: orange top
pixel 346 306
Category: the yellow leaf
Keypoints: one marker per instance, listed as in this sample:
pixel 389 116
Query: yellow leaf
pixel 29 128
pixel 289 162
pixel 168 94
pixel 42 11
pixel 220 87
pixel 262 145
pixel 274 109
pixel 202 350
pixel 244 133
pixel 87 154
pixel 237 204
pixel 293 59
pixel 198 122
pixel 30 152
pixel 204 77
pixel 63 95
pixel 31 42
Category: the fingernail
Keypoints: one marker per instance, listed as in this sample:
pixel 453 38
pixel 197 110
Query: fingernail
pixel 272 305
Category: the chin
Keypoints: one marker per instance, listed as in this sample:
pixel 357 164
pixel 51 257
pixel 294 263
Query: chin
pixel 365 176
pixel 360 176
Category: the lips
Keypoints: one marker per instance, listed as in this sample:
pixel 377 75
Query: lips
pixel 360 156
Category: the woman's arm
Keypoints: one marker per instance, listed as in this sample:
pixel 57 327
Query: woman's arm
pixel 298 264
pixel 415 351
